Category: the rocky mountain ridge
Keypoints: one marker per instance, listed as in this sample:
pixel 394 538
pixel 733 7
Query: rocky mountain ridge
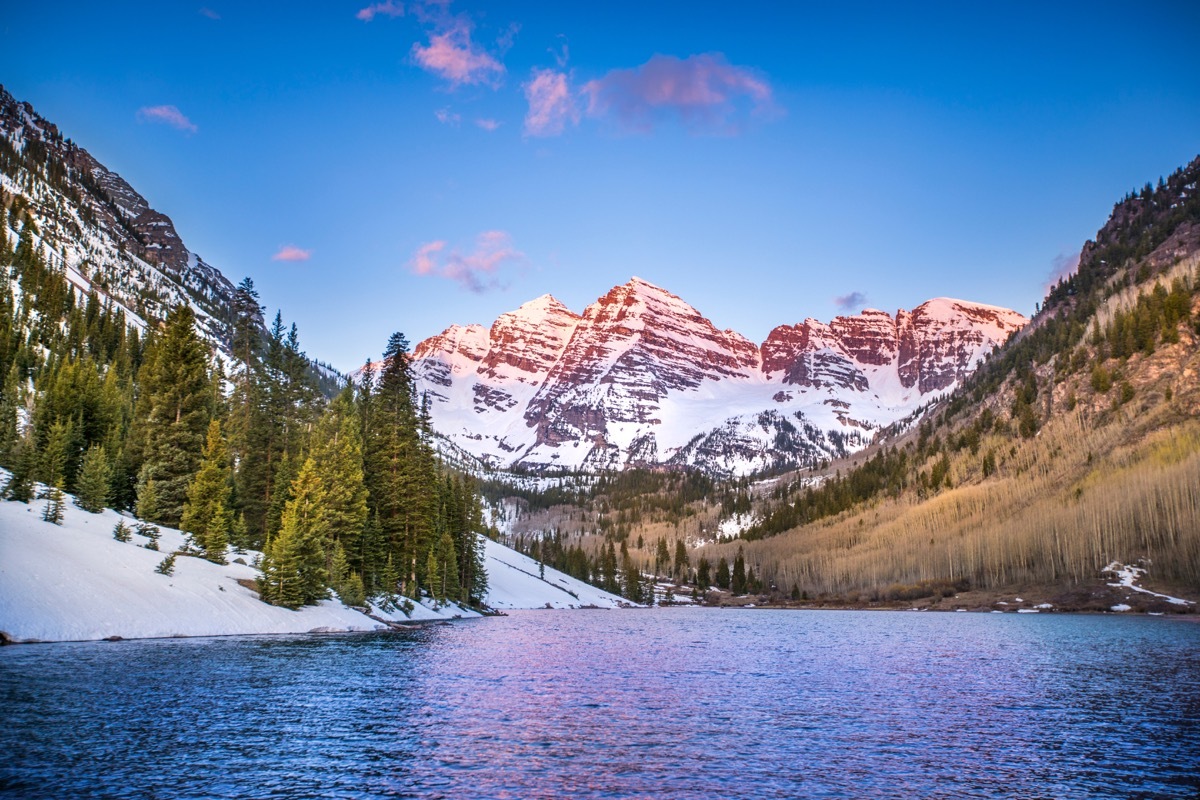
pixel 104 236
pixel 641 378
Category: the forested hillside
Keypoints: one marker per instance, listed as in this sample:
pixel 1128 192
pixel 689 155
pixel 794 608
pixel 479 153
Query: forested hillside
pixel 1075 445
pixel 201 419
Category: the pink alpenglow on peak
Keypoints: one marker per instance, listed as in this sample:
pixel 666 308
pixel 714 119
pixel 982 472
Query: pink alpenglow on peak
pixel 641 378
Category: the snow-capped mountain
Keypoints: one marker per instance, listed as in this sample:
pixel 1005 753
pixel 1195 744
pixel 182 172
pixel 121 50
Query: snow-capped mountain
pixel 642 378
pixel 90 223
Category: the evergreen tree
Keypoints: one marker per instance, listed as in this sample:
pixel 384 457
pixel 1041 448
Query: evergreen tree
pixel 337 451
pixel 121 531
pixel 206 513
pixel 10 404
pixel 179 413
pixel 722 573
pixel 92 487
pixel 56 453
pixel 294 571
pixel 24 461
pixel 54 506
pixel 681 559
pixel 738 582
pixel 166 566
pixel 147 496
pixel 703 578
pixel 400 469
pixel 662 557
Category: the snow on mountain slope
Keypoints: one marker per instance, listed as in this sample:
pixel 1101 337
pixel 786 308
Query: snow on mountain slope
pixel 514 582
pixel 89 222
pixel 74 582
pixel 642 378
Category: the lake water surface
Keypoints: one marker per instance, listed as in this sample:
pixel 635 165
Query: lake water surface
pixel 672 703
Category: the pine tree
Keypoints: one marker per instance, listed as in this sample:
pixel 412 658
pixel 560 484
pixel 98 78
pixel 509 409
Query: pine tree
pixel 10 404
pixel 400 468
pixel 24 462
pixel 54 506
pixel 147 496
pixel 662 557
pixel 681 559
pixel 180 397
pixel 206 513
pixel 738 581
pixel 92 486
pixel 294 571
pixel 337 451
pixel 166 566
pixel 722 573
pixel 56 453
pixel 122 532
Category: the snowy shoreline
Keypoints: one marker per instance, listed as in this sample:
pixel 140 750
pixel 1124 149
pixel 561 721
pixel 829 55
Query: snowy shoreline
pixel 75 582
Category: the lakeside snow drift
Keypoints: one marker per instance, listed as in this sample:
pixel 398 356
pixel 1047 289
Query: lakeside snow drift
pixel 75 582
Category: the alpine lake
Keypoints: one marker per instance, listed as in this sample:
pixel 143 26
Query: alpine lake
pixel 656 703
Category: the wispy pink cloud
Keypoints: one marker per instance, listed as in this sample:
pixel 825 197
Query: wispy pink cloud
pixel 447 117
pixel 208 12
pixel 487 124
pixel 452 56
pixel 477 270
pixel 289 252
pixel 704 91
pixel 166 115
pixel 552 105
pixel 389 8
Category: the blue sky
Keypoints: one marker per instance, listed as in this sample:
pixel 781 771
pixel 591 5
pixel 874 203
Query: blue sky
pixel 402 166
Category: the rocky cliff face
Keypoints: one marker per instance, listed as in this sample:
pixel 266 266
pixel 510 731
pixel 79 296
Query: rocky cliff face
pixel 642 378
pixel 99 230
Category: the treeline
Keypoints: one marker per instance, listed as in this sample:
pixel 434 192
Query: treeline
pixel 885 472
pixel 346 493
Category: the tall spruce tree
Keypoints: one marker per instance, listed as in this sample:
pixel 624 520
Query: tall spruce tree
pixel 179 413
pixel 92 488
pixel 294 563
pixel 400 467
pixel 206 514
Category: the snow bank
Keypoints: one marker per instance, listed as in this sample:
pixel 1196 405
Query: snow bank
pixel 514 582
pixel 1128 576
pixel 74 582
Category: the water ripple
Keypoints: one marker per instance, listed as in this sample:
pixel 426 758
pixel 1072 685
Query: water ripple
pixel 669 703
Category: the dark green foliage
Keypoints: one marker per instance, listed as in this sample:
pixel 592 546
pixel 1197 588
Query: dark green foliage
pixel 722 573
pixel 23 461
pixel 54 506
pixel 92 487
pixel 122 532
pixel 703 577
pixel 738 583
pixel 885 472
pixel 294 562
pixel 166 566
pixel 179 389
pixel 681 560
pixel 206 514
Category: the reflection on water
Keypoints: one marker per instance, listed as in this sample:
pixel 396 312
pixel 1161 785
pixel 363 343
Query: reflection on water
pixel 666 703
